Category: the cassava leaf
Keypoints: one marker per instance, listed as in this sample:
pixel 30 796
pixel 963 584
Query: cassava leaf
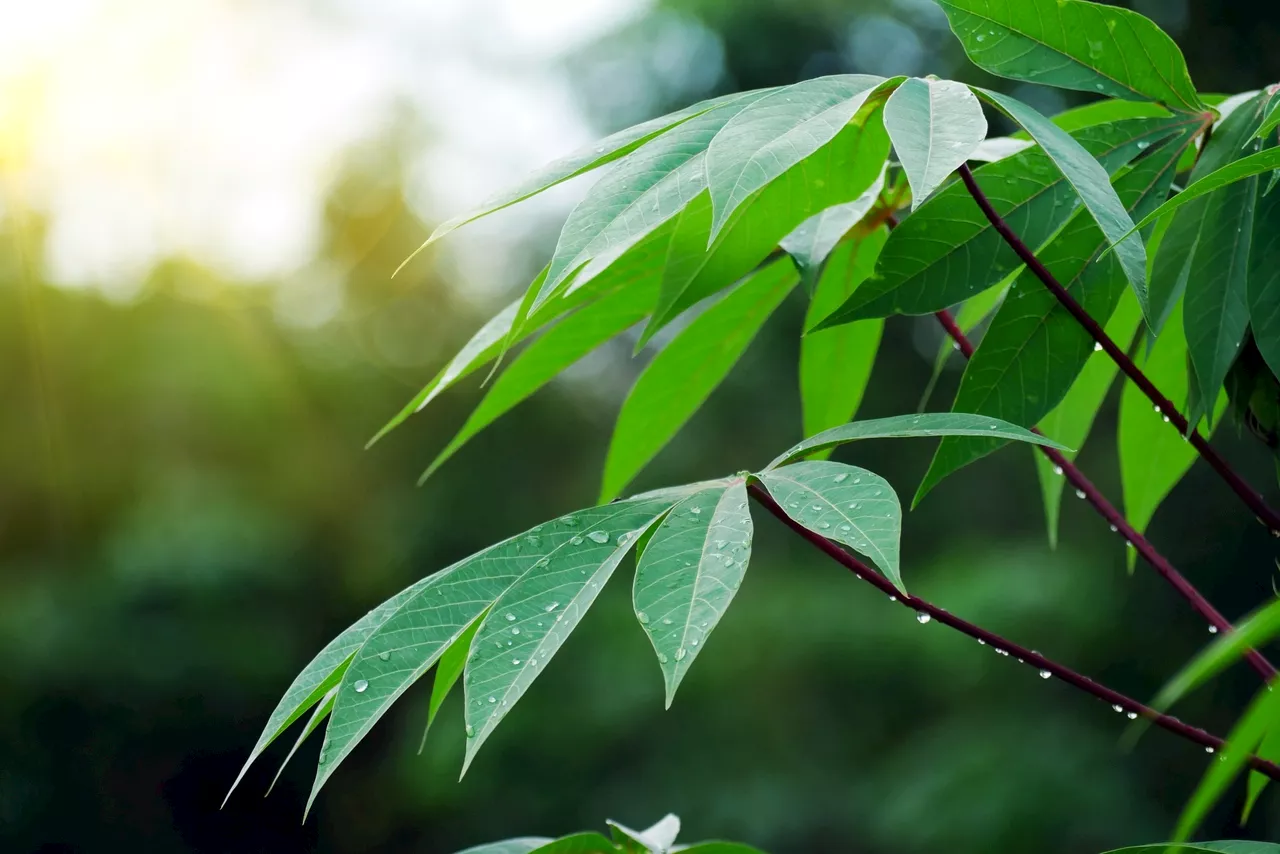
pixel 1075 45
pixel 639 194
pixel 438 610
pixel 844 503
pixel 687 370
pixel 777 132
pixel 578 843
pixel 1090 181
pixel 947 251
pixel 836 173
pixel 523 845
pixel 835 364
pixel 1228 847
pixel 1034 349
pixel 657 839
pixel 448 671
pixel 972 312
pixel 561 346
pixel 935 125
pixel 1246 167
pixel 998 148
pixel 1264 278
pixel 1071 420
pixel 690 570
pixel 909 426
pixel 318 716
pixel 815 238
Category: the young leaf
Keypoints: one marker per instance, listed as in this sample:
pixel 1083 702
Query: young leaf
pixel 1072 419
pixel 835 364
pixel 688 369
pixel 657 839
pixel 777 132
pixel 1264 278
pixel 448 670
pixel 838 172
pixel 1090 181
pixel 934 125
pixel 1241 742
pixel 533 617
pixel 904 426
pixel 639 194
pixel 442 607
pixel 1075 45
pixel 561 346
pixel 843 503
pixel 947 251
pixel 1153 457
pixel 690 570
pixel 815 238
pixel 1034 349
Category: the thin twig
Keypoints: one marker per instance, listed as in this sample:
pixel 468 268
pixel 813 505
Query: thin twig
pixel 1164 406
pixel 1086 490
pixel 925 611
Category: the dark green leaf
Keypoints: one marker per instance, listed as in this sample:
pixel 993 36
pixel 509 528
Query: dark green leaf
pixel 1246 167
pixel 1034 349
pixel 843 503
pixel 578 843
pixel 947 251
pixel 523 845
pixel 906 426
pixel 1264 278
pixel 448 670
pixel 687 370
pixel 835 364
pixel 1229 847
pixel 321 711
pixel 1075 45
pixel 934 125
pixel 689 572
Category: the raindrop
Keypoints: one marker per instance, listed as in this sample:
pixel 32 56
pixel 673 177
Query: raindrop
pixel 1142 144
pixel 824 525
pixel 515 661
pixel 533 662
pixel 982 38
pixel 361 686
pixel 515 631
pixel 570 522
pixel 981 642
pixel 575 540
pixel 922 617
pixel 662 658
pixel 693 642
pixel 1157 408
pixel 728 561
pixel 385 655
pixel 1213 630
pixel 841 478
pixel 598 537
pixel 817 507
pixel 1080 493
pixel 1166 419
pixel 551 607
pixel 471 732
pixel 696 511
pixel 642 617
pixel 681 653
pixel 511 618
pixel 1133 716
pixel 1114 529
pixel 793 505
pixel 995 427
pixel 845 528
pixel 1057 470
pixel 1045 674
pixel 893 598
pixel 1097 348
pixel 493 699
pixel 1208 749
pixel 853 506
pixel 1118 708
pixel 721 543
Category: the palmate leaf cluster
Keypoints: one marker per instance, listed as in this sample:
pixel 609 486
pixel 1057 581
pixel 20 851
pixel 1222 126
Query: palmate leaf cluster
pixel 1150 206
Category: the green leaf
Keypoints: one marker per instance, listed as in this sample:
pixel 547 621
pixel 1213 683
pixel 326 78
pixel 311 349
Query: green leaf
pixel 1268 749
pixel 318 715
pixel 1229 847
pixel 1075 45
pixel 1241 742
pixel 448 670
pixel 1269 122
pixel 657 839
pixel 844 503
pixel 909 426
pixel 1217 290
pixel 533 617
pixel 1072 419
pixel 934 125
pixel 835 364
pixel 777 132
pixel 583 160
pixel 578 843
pixel 972 312
pixel 947 251
pixel 322 674
pixel 438 610
pixel 814 239
pixel 523 845
pixel 838 172
pixel 1090 181
pixel 719 848
pixel 1034 349
pixel 639 194
pixel 998 148
pixel 1264 277
pixel 689 572
pixel 687 370
pixel 557 349
pixel 1239 170
pixel 1153 457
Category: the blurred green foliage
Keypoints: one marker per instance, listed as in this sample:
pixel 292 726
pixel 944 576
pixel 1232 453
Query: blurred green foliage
pixel 186 514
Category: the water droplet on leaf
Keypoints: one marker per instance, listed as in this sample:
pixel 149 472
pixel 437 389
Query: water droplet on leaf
pixel 361 685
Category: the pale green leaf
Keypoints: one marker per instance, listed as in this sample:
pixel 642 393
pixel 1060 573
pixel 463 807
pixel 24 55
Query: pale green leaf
pixel 835 364
pixel 690 570
pixel 934 125
pixel 657 839
pixel 687 370
pixel 911 426
pixel 843 503
pixel 777 132
pixel 1075 45
pixel 998 148
pixel 1269 122
pixel 947 251
pixel 1090 181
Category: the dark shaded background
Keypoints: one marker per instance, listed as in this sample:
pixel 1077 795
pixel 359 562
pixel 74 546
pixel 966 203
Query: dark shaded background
pixel 186 515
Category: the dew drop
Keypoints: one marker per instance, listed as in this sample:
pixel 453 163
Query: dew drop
pixel 662 658
pixel 841 478
pixel 1208 749
pixel 721 543
pixel 666 621
pixel 1057 470
pixel 1114 529
pixel 824 525
pixel 1119 709
pixel 515 631
pixel 551 607
pixel 471 731
pixel 681 653
pixel 693 642
pixel 598 537
pixel 515 661
pixel 1133 716
pixel 893 598
pixel 361 686
pixel 845 528
pixel 1166 419
pixel 981 38
pixel 793 505
pixel 1142 144
pixel 922 617
pixel 642 617
pixel 385 655
pixel 729 561
pixel 1080 493
pixel 575 540
pixel 1097 348
pixel 696 511
pixel 493 699
pixel 817 507
pixel 570 522
pixel 1213 630
pixel 981 642
pixel 511 618
pixel 1045 674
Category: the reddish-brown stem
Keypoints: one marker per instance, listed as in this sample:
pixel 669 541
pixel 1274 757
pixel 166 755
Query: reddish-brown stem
pixel 1118 701
pixel 1086 490
pixel 1164 406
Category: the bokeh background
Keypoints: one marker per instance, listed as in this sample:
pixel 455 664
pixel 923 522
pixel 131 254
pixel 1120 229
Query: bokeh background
pixel 201 207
